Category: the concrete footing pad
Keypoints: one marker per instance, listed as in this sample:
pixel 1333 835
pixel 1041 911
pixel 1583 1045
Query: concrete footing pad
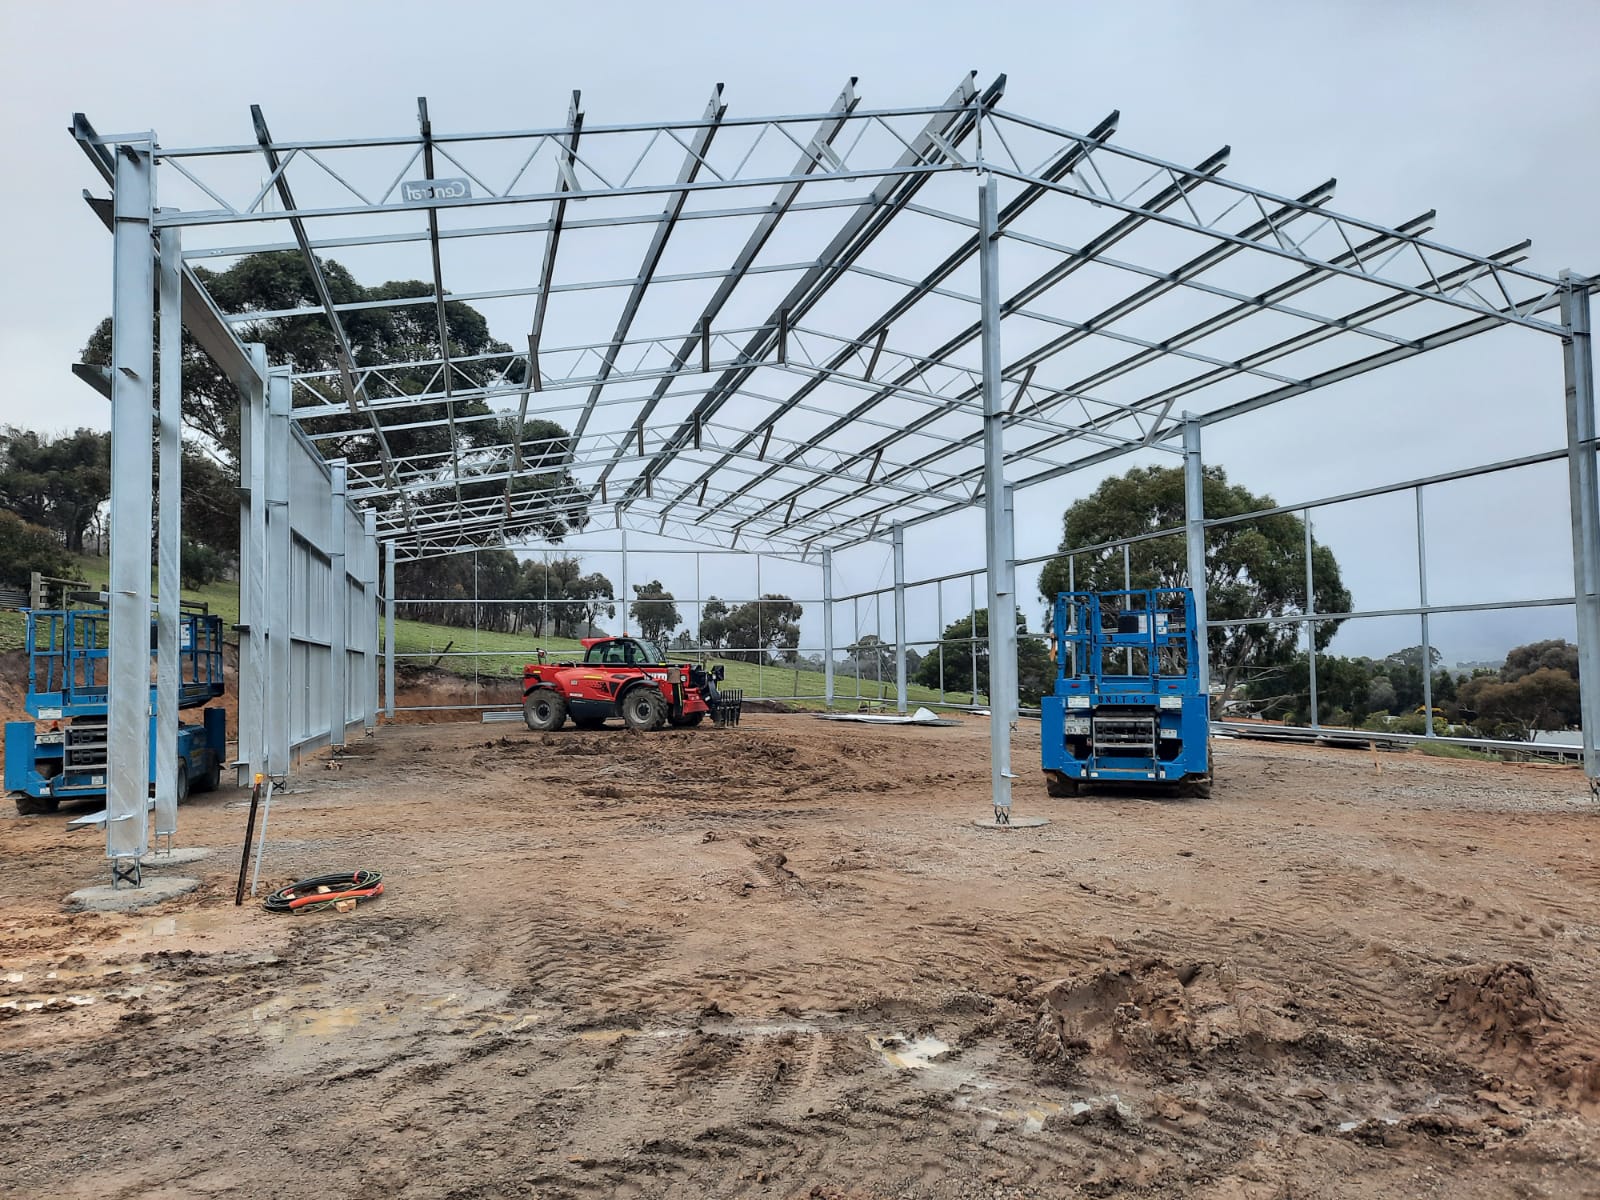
pixel 1014 823
pixel 105 898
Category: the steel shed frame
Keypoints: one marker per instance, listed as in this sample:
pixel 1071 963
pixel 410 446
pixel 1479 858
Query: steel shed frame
pixel 902 313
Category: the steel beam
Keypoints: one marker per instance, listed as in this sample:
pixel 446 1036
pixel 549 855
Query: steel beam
pixel 998 551
pixel 169 534
pixel 132 394
pixel 952 262
pixel 892 193
pixel 388 630
pixel 369 622
pixel 1577 361
pixel 827 627
pixel 1311 625
pixel 280 576
pixel 338 608
pixel 898 534
pixel 810 158
pixel 1422 601
pixel 1194 506
pixel 253 621
pixel 319 282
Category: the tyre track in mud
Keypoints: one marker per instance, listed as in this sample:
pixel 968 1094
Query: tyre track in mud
pixel 777 962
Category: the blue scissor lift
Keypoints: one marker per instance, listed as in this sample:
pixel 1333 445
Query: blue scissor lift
pixel 62 753
pixel 1127 706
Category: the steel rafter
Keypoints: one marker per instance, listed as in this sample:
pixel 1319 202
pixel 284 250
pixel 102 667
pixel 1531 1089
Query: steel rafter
pixel 352 393
pixel 953 261
pixel 811 157
pixel 821 463
pixel 1043 282
pixel 940 138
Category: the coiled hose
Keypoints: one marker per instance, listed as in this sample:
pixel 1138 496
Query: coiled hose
pixel 360 884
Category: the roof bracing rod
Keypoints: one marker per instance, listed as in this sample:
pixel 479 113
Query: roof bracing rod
pixel 694 159
pixel 319 284
pixel 1327 378
pixel 547 270
pixel 1170 195
pixel 1166 281
pixel 879 328
pixel 441 318
pixel 810 158
pixel 889 196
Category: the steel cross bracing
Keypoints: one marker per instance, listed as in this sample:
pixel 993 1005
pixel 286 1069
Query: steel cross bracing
pixel 823 378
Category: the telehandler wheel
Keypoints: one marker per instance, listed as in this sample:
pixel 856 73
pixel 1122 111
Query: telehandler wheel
pixel 33 806
pixel 1060 786
pixel 643 709
pixel 686 720
pixel 181 787
pixel 545 710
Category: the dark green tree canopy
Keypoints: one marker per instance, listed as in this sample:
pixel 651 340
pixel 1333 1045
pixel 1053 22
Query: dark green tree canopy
pixel 955 654
pixel 26 548
pixel 57 483
pixel 1253 568
pixel 275 281
pixel 653 612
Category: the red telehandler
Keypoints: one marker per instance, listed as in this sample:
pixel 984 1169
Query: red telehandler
pixel 627 678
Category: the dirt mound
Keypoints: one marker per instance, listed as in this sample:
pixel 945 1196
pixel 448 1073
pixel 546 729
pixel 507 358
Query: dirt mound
pixel 1503 1003
pixel 1150 1009
pixel 1502 1010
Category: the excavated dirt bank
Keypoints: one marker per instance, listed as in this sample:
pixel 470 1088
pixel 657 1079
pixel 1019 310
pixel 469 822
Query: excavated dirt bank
pixel 779 961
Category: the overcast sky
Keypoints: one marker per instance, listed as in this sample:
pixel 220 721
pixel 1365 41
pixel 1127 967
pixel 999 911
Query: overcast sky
pixel 1488 112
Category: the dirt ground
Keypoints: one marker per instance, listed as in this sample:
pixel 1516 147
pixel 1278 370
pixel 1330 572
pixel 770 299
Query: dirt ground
pixel 780 961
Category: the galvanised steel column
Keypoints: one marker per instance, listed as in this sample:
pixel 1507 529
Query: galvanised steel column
pixel 132 365
pixel 338 607
pixel 1194 511
pixel 899 543
pixel 280 583
pixel 369 623
pixel 1422 602
pixel 1311 626
pixel 996 529
pixel 388 630
pixel 624 532
pixel 169 535
pixel 253 576
pixel 827 627
pixel 1578 364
